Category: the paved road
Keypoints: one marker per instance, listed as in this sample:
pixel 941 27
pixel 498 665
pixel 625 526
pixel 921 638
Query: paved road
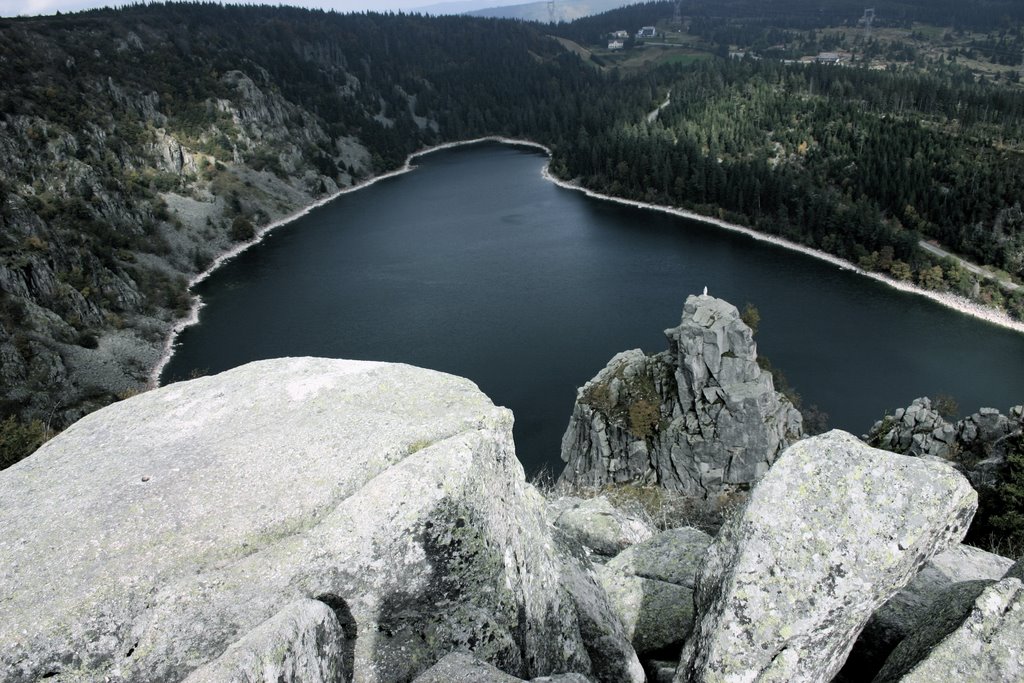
pixel 977 270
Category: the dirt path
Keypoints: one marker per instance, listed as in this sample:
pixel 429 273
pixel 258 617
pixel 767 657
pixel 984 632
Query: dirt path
pixel 976 269
pixel 657 110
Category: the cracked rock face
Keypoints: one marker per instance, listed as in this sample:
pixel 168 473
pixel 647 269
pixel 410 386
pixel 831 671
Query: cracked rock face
pixel 701 418
pixel 973 634
pixel 833 530
pixel 150 536
pixel 917 430
pixel 900 616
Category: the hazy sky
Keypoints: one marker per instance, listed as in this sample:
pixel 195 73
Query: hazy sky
pixel 12 8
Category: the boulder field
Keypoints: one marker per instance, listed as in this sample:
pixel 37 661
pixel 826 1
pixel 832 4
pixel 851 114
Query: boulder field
pixel 326 520
pixel 197 522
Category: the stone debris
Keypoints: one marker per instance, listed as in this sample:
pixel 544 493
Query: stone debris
pixel 650 586
pixel 324 521
pixel 899 617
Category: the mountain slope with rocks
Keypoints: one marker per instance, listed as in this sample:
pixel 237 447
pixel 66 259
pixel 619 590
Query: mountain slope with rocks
pixel 138 145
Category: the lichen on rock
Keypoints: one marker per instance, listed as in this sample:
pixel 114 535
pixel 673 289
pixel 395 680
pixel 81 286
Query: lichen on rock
pixel 834 530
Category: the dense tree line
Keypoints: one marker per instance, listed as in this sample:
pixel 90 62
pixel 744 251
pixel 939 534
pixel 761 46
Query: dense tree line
pixel 742 22
pixel 846 159
pixel 858 163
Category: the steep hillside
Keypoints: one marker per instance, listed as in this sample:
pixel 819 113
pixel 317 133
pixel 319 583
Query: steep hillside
pixel 139 144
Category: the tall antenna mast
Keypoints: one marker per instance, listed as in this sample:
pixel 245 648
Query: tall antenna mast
pixel 551 11
pixel 869 16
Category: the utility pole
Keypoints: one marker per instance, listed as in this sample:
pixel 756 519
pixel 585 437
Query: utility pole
pixel 677 18
pixel 551 11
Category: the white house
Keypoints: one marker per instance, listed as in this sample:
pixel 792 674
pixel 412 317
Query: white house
pixel 615 45
pixel 645 32
pixel 620 34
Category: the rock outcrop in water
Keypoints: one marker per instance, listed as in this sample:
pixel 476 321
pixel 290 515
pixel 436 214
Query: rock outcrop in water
pixel 701 418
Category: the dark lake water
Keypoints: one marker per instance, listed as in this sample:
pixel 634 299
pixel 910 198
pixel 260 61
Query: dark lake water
pixel 475 265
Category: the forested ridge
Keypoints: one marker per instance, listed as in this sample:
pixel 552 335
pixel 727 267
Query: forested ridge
pixel 857 163
pixel 137 144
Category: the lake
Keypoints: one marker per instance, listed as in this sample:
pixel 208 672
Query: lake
pixel 476 265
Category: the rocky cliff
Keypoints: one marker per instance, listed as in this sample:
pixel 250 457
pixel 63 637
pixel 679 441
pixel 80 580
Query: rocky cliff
pixel 119 182
pixel 987 446
pixel 702 418
pixel 979 443
pixel 324 520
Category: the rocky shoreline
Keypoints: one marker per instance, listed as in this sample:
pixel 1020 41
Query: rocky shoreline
pixel 193 317
pixel 957 303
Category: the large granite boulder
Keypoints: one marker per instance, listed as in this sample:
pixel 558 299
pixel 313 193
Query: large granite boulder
pixel 701 418
pixel 650 586
pixel 974 633
pixel 597 524
pixel 900 616
pixel 833 530
pixel 156 535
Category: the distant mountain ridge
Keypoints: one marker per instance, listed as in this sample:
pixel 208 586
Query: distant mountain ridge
pixel 564 10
